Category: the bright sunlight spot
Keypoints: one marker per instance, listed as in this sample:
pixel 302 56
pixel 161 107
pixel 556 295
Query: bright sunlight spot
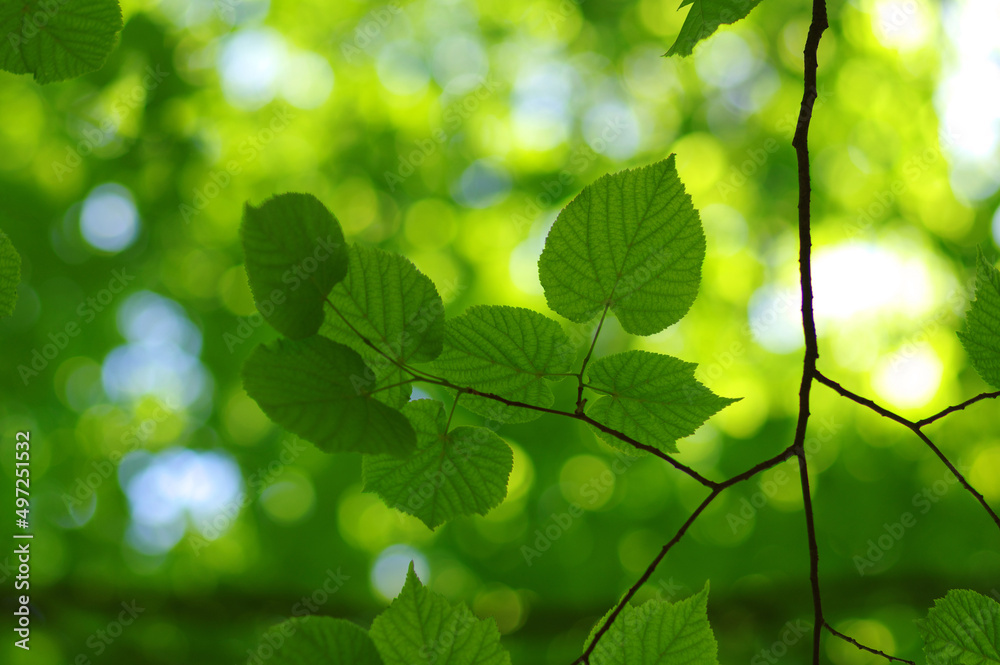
pixel 844 276
pixel 968 97
pixel 389 570
pixel 179 488
pixel 909 380
pixel 902 24
pixel 108 219
pixel 251 64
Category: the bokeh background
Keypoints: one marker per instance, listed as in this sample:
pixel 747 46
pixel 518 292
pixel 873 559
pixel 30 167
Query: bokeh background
pixel 453 132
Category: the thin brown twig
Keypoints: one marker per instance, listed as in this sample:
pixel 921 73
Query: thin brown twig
pixel 584 658
pixel 861 646
pixel 914 427
pixel 651 568
pixel 957 407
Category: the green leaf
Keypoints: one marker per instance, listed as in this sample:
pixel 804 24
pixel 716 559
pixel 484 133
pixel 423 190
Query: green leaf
pixel 393 305
pixel 659 633
pixel 421 626
pixel 652 398
pixel 57 39
pixel 295 253
pixel 10 275
pixel 455 473
pixel 315 388
pixel 963 628
pixel 981 334
pixel 631 241
pixel 704 18
pixel 506 351
pixel 315 640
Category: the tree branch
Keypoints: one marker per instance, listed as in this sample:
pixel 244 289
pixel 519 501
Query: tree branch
pixel 863 401
pixel 621 436
pixel 863 647
pixel 584 659
pixel 957 407
pixel 914 427
pixel 801 144
pixel 651 568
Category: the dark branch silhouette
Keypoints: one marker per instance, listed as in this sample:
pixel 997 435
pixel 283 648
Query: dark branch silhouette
pixel 915 427
pixel 801 144
pixel 861 646
pixel 957 407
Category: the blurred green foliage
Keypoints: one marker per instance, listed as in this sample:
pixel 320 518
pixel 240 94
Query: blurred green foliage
pixel 453 132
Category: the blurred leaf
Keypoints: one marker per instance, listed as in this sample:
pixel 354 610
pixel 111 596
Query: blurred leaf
pixel 654 398
pixel 507 351
pixel 981 336
pixel 704 18
pixel 57 40
pixel 310 387
pixel 659 633
pixel 10 275
pixel 631 241
pixel 455 473
pixel 295 253
pixel 393 305
pixel 316 640
pixel 422 626
pixel 963 628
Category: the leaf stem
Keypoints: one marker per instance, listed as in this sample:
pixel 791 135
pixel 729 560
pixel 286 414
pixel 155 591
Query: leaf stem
pixel 417 374
pixel 452 412
pixel 393 385
pixel 586 359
